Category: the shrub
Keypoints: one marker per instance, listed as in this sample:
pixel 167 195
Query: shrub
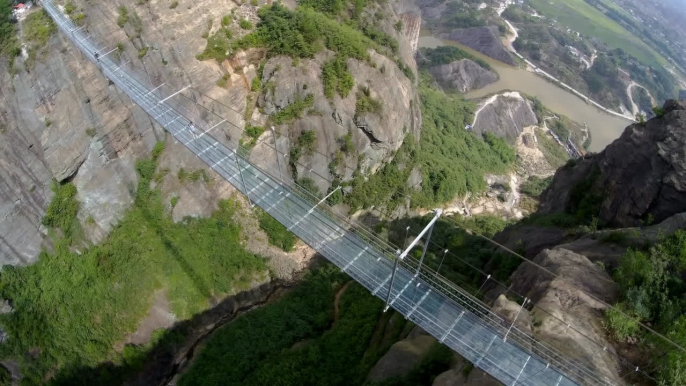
pixel 62 211
pixel 293 111
pixel 254 3
pixel 245 24
pixel 366 104
pixel 299 33
pixel 142 52
pixel 90 132
pixel 337 78
pixel 658 111
pixel 535 186
pixel 254 133
pixel 307 140
pixel 226 20
pixel 174 4
pixel 277 234
pixel 123 16
pixel 622 327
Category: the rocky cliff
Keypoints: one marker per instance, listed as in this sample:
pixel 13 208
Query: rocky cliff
pixel 61 120
pixel 505 115
pixel 640 177
pixel 463 75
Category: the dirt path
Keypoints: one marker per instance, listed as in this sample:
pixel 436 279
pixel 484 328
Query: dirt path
pixel 337 299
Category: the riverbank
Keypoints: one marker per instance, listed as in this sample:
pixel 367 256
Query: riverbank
pixel 604 127
pixel 532 67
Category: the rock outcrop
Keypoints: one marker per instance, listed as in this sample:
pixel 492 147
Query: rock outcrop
pixel 61 119
pixel 505 115
pixel 574 302
pixel 463 75
pixel 639 177
pixel 403 356
pixel 483 39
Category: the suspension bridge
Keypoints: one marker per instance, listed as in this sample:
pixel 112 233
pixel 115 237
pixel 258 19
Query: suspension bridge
pixel 446 311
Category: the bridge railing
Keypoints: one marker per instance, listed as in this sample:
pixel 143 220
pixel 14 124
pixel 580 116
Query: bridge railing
pixel 581 371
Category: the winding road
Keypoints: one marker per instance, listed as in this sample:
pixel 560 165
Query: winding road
pixel 629 92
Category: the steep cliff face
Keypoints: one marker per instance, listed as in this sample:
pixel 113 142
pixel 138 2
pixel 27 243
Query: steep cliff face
pixel 639 177
pixel 62 120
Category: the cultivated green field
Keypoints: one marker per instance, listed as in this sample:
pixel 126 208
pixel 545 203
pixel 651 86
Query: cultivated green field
pixel 584 18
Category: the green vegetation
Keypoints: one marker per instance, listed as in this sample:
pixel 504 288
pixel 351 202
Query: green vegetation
pixel 448 54
pixel 452 160
pixel 245 24
pixel 535 186
pixel 366 104
pixel 296 340
pixel 200 174
pixel 336 78
pixel 123 17
pixel 653 291
pixel 293 111
pixel 552 151
pixel 174 4
pixel 8 40
pixel 277 233
pixel 38 27
pixel 142 52
pixel 254 133
pixel 436 362
pixel 71 309
pixel 299 33
pixel 582 17
pixel 61 213
pixel 469 250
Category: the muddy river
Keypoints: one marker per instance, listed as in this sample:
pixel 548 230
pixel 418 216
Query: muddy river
pixel 604 127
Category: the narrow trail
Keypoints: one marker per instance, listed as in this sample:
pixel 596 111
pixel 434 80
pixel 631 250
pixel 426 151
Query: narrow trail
pixel 340 293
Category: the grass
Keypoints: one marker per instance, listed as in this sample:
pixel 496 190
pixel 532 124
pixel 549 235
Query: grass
pixel 61 213
pixel 552 151
pixel 72 308
pixel 260 347
pixel 38 27
pixel 584 18
pixel 535 186
pixel 278 235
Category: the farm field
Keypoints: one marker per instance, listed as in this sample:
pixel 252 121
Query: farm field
pixel 581 16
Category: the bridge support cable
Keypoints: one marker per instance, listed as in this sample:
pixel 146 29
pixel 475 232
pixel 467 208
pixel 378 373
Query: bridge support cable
pixel 358 252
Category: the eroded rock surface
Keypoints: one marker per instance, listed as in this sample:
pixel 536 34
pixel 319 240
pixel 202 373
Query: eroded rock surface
pixel 504 115
pixel 463 75
pixel 574 302
pixel 640 176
